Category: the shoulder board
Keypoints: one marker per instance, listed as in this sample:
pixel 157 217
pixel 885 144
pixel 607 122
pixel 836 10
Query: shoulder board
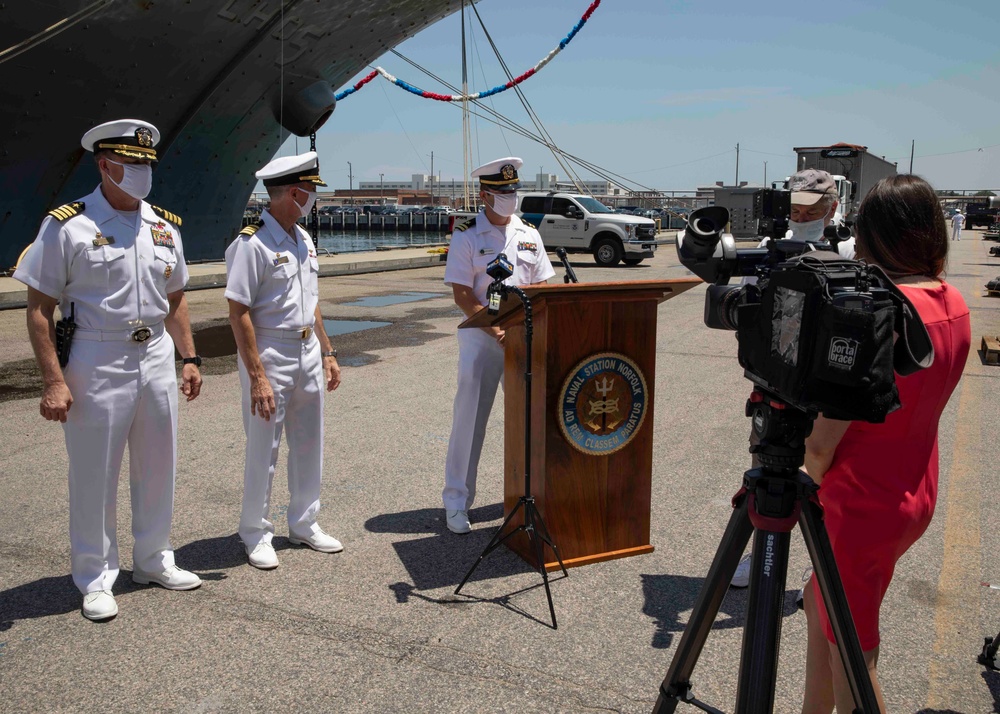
pixel 251 229
pixel 166 215
pixel 529 224
pixel 67 211
pixel 465 225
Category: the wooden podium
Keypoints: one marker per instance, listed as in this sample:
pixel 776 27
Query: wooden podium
pixel 593 367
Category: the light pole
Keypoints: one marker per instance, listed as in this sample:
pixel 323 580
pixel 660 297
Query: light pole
pixel 765 174
pixel 350 178
pixel 381 200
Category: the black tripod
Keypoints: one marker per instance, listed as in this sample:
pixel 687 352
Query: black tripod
pixel 533 525
pixel 773 498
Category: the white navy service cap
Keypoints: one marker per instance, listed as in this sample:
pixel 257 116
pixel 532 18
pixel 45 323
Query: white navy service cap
pixel 133 138
pixel 499 176
pixel 287 170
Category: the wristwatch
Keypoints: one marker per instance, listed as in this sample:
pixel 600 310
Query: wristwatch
pixel 196 360
pixel 331 353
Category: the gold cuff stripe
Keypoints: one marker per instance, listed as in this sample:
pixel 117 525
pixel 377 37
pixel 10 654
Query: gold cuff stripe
pixel 129 147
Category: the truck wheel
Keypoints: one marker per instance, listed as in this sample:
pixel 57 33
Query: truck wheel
pixel 607 252
pixel 632 261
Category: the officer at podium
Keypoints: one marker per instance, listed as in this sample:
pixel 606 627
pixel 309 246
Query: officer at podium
pixel 474 245
pixel 115 266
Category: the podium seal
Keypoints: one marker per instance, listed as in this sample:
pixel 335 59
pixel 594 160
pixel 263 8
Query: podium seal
pixel 603 403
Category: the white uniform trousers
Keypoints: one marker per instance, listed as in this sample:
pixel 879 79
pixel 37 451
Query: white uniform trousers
pixel 123 392
pixel 295 370
pixel 480 370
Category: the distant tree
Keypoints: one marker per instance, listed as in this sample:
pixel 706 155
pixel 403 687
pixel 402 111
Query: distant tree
pixel 947 193
pixel 984 192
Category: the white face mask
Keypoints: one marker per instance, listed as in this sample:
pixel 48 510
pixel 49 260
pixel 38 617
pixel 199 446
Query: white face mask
pixel 310 202
pixel 504 204
pixel 136 181
pixel 811 231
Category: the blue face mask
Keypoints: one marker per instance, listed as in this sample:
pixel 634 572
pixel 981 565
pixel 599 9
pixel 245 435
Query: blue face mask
pixel 811 231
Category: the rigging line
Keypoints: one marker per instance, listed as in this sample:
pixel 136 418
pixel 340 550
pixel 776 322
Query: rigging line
pixel 281 76
pixel 502 120
pixel 52 30
pixel 493 106
pixel 524 102
pixel 685 163
pixel 765 153
pixel 947 153
pixel 403 128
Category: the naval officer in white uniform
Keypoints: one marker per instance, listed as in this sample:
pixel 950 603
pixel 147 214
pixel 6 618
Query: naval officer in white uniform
pixel 474 245
pixel 285 358
pixel 116 264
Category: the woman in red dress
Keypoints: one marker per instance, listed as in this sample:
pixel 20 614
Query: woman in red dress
pixel 879 482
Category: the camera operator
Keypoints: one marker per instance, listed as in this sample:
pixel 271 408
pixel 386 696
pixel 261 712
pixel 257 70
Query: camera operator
pixel 814 204
pixel 879 482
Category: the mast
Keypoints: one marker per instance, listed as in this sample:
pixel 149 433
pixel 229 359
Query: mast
pixel 466 134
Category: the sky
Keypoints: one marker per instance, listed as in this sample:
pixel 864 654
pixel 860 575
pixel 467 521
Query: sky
pixel 662 91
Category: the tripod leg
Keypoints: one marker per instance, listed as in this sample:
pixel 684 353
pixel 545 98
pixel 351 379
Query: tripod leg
pixel 832 589
pixel 543 531
pixel 494 542
pixel 762 632
pixel 676 685
pixel 530 519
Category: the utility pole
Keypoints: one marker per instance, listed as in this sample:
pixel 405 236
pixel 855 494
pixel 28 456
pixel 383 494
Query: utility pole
pixel 350 178
pixel 432 178
pixel 737 184
pixel 381 200
pixel 913 143
pixel 765 174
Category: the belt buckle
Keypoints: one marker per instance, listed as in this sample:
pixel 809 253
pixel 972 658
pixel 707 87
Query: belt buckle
pixel 306 333
pixel 142 334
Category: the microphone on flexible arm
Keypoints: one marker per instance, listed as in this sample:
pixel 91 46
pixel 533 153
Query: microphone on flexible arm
pixel 570 276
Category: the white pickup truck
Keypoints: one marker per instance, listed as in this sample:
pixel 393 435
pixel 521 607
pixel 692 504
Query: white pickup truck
pixel 582 224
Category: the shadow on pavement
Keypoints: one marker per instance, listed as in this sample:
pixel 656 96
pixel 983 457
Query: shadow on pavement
pixel 41 598
pixel 218 553
pixel 428 520
pixel 667 596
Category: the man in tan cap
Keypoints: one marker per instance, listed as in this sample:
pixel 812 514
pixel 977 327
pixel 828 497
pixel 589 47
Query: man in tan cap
pixel 285 358
pixel 114 265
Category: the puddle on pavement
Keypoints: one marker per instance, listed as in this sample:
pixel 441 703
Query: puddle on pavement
pixel 345 327
pixel 386 300
pixel 218 341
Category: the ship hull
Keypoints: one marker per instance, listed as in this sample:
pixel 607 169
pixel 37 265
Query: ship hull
pixel 214 76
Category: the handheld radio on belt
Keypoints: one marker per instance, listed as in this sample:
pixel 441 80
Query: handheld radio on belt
pixel 64 335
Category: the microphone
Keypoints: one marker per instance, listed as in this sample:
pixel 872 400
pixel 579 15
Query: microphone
pixel 500 268
pixel 570 276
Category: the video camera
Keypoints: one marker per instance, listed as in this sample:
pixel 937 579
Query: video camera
pixel 815 329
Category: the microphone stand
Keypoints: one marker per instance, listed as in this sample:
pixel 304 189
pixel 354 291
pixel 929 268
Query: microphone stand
pixel 533 525
pixel 570 276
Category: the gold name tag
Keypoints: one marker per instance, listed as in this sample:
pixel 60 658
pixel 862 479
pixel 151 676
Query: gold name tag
pixel 103 240
pixel 281 260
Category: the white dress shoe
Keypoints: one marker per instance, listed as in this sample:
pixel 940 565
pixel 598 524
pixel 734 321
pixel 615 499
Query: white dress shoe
pixel 173 578
pixel 263 556
pixel 99 605
pixel 458 522
pixel 318 541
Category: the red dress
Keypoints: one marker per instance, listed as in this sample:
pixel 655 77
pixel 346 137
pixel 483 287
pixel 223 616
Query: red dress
pixel 879 494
